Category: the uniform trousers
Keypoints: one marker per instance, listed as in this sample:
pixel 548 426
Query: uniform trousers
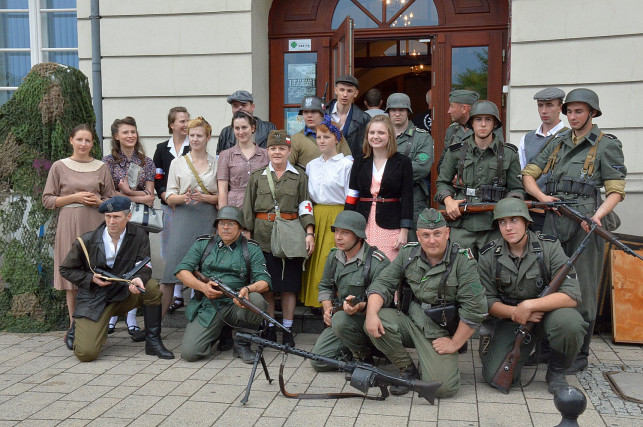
pixel 474 240
pixel 564 328
pixel 91 336
pixel 198 339
pixel 401 332
pixel 346 332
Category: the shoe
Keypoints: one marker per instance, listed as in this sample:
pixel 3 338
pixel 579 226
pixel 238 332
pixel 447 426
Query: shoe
pixel 555 375
pixel 243 351
pixel 111 328
pixel 153 343
pixel 70 335
pixel 137 334
pixel 408 373
pixel 288 339
pixel 225 339
pixel 176 304
pixel 270 333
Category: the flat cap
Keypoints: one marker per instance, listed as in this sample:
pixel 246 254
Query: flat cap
pixel 241 96
pixel 347 79
pixel 278 137
pixel 115 204
pixel 463 96
pixel 431 219
pixel 549 93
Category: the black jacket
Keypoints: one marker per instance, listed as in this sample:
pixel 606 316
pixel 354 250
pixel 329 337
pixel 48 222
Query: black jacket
pixel 162 160
pixel 91 298
pixel 356 130
pixel 397 183
pixel 227 140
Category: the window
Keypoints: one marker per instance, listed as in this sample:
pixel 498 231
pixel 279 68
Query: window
pixel 386 13
pixel 31 32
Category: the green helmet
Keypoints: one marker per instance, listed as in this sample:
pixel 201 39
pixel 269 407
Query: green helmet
pixel 398 100
pixel 351 221
pixel 485 107
pixel 511 206
pixel 230 212
pixel 587 96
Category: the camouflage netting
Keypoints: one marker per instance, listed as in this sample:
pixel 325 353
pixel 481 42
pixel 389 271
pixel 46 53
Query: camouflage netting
pixel 34 132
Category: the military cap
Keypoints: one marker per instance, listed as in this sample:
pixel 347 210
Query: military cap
pixel 115 204
pixel 241 96
pixel 347 79
pixel 311 103
pixel 549 93
pixel 463 96
pixel 431 219
pixel 278 137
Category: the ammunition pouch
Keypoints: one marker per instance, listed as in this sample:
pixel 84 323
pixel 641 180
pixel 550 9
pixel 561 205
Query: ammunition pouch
pixel 445 315
pixel 492 193
pixel 569 185
pixel 404 297
pixel 509 301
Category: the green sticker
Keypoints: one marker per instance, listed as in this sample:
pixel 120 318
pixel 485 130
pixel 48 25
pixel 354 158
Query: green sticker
pixel 423 157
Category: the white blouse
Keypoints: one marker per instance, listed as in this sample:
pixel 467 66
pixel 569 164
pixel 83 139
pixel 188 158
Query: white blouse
pixel 181 178
pixel 328 179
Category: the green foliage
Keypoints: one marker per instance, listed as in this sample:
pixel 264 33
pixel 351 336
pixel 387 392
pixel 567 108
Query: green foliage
pixel 34 130
pixel 475 78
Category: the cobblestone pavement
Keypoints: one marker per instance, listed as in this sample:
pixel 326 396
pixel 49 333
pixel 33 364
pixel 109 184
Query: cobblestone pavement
pixel 42 383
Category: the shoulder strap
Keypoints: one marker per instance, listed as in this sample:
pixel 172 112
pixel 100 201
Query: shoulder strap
pixel 442 288
pixel 544 274
pixel 271 184
pixel 367 265
pixel 207 250
pixel 246 257
pixel 463 155
pixel 498 266
pixel 408 149
pixel 588 166
pixel 551 161
pixel 196 174
pixel 414 252
pixel 500 175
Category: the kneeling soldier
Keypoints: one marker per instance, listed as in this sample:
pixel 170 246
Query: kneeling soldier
pixel 514 270
pixel 116 247
pixel 350 267
pixel 237 262
pixel 443 279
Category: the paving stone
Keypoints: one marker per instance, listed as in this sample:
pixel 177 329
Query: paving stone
pixel 148 420
pixel 371 420
pixel 421 410
pixel 486 393
pixel 96 408
pixel 42 376
pixel 347 408
pixel 259 399
pixel 26 404
pixel 340 421
pixel 188 387
pixel 110 422
pixel 195 414
pixel 74 422
pixel 88 393
pixel 176 374
pixel 7 380
pixel 240 416
pixel 270 422
pixel 109 380
pixel 121 391
pixel 17 389
pixel 503 414
pixel 64 383
pixel 612 421
pixel 466 394
pixel 131 407
pixel 457 411
pixel 37 423
pixel 59 410
pixel 308 416
pixel 279 406
pixel 217 393
pixel 167 405
pixel 451 423
pixel 394 405
pixel 156 388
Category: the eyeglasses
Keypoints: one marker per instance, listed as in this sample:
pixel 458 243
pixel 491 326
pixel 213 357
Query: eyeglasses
pixel 227 224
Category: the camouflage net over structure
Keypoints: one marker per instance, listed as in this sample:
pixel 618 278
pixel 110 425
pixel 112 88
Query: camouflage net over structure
pixel 34 132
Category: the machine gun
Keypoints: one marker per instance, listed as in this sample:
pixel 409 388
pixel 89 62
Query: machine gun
pixel 125 279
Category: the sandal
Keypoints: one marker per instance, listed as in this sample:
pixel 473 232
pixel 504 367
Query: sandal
pixel 178 303
pixel 111 328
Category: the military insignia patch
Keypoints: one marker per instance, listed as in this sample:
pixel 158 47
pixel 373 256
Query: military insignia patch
pixel 486 247
pixel 476 287
pixel 618 167
pixel 455 147
pixel 423 157
pixel 466 252
pixel 378 255
pixel 547 237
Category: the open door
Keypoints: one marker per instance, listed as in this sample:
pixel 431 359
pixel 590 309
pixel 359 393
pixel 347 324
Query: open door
pixel 341 45
pixel 439 92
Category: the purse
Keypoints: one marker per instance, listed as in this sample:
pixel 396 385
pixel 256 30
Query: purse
pixel 288 238
pixel 147 217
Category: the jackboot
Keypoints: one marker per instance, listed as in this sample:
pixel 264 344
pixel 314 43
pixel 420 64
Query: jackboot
pixel 580 361
pixel 555 375
pixel 70 335
pixel 242 350
pixel 153 343
pixel 225 339
pixel 409 373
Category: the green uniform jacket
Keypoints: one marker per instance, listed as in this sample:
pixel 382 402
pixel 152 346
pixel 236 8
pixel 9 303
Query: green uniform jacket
pixel 228 265
pixel 456 133
pixel 421 155
pixel 349 279
pixel 463 285
pixel 304 148
pixel 291 189
pixel 479 169
pixel 521 282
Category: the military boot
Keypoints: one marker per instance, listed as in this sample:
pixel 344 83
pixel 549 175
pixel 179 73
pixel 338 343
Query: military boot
pixel 555 376
pixel 242 350
pixel 408 373
pixel 580 361
pixel 225 339
pixel 70 335
pixel 153 343
pixel 270 333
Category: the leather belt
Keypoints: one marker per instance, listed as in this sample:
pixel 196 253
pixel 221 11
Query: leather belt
pixel 377 199
pixel 272 216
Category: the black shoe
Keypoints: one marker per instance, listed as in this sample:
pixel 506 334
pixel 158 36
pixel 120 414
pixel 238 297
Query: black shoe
pixel 111 328
pixel 408 373
pixel 288 339
pixel 270 333
pixel 137 334
pixel 242 350
pixel 225 339
pixel 153 343
pixel 70 335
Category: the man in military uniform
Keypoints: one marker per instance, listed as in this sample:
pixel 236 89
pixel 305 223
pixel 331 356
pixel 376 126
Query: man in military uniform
pixel 350 267
pixel 303 144
pixel 423 120
pixel 460 102
pixel 514 269
pixel 437 271
pixel 242 100
pixel 416 144
pixel 487 170
pixel 117 247
pixel 550 102
pixel 581 161
pixel 237 262
pixel 352 121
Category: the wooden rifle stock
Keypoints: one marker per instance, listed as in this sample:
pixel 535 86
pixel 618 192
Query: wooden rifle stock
pixel 489 207
pixel 503 377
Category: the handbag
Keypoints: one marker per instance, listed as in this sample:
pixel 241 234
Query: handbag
pixel 147 217
pixel 288 238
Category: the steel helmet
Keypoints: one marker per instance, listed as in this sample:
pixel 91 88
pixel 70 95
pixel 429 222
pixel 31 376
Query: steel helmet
pixel 398 100
pixel 351 221
pixel 511 206
pixel 230 212
pixel 312 103
pixel 485 107
pixel 585 95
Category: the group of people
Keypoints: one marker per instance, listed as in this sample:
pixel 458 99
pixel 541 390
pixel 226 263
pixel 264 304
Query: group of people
pixel 380 262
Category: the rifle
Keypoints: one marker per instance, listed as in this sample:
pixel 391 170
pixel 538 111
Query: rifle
pixel 503 377
pixel 127 277
pixel 324 95
pixel 490 206
pixel 362 376
pixel 339 305
pixel 572 213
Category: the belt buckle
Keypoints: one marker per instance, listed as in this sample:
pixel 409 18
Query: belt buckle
pixel 471 192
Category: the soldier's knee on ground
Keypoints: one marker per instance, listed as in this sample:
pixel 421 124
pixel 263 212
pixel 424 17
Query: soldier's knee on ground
pixel 189 354
pixel 449 386
pixel 320 367
pixel 85 354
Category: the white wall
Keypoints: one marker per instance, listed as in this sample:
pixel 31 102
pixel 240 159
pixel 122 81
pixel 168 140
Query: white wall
pixel 583 43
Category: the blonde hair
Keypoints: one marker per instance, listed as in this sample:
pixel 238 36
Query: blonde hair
pixel 200 122
pixel 391 147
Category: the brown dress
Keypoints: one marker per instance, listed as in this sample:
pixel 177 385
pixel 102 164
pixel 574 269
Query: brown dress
pixel 67 177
